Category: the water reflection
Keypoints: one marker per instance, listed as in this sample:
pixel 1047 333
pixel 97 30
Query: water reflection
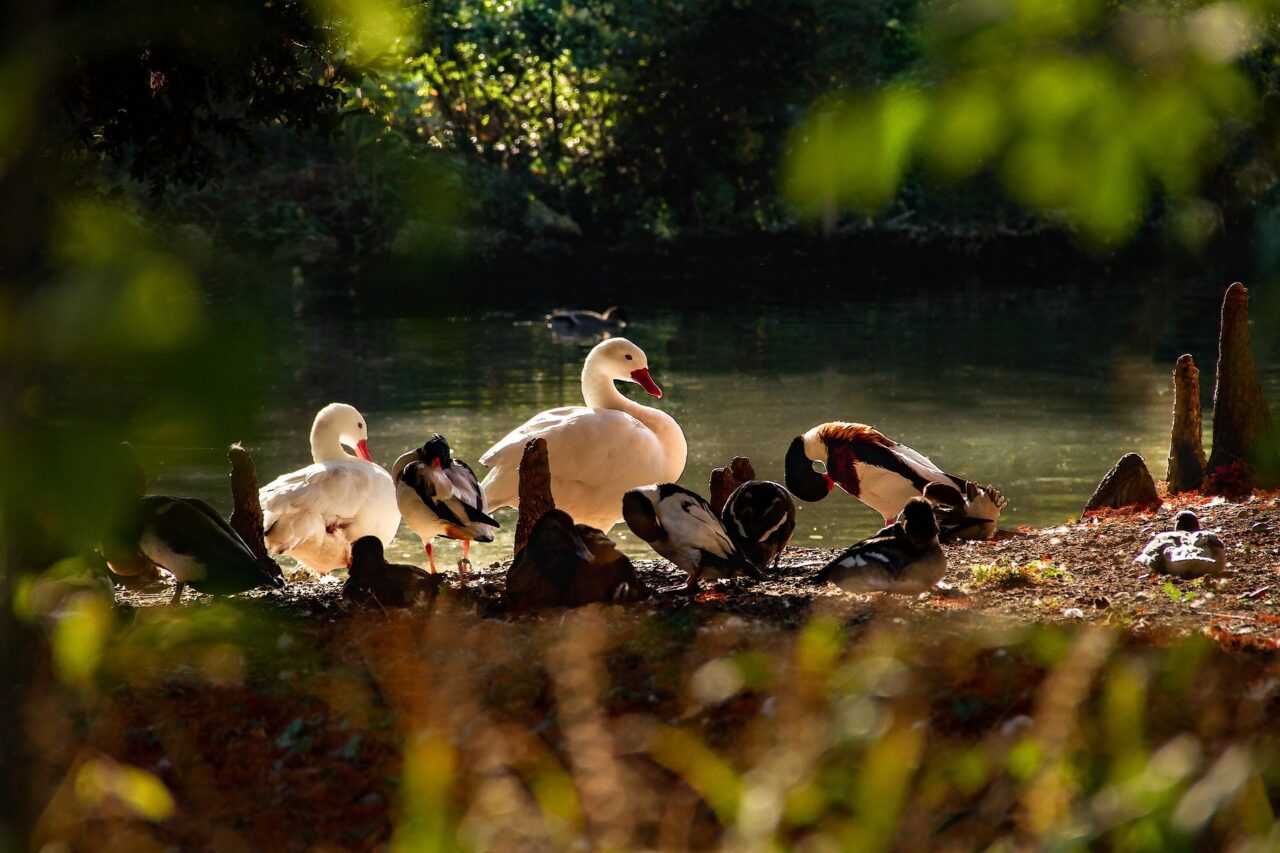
pixel 1037 392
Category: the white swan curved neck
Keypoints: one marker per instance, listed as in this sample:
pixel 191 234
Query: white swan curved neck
pixel 326 443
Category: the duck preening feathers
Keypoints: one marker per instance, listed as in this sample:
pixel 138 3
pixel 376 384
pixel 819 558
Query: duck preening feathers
pixel 373 582
pixel 1186 551
pixel 760 518
pixel 440 496
pixel 904 557
pixel 682 527
pixel 190 540
pixel 568 565
pixel 884 475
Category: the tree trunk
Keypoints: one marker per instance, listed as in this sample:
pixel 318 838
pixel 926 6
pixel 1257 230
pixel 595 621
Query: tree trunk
pixel 1242 425
pixel 246 510
pixel 1186 452
pixel 1128 484
pixel 725 480
pixel 535 489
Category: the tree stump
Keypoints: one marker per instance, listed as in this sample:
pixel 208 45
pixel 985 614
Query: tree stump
pixel 725 480
pixel 1186 467
pixel 1128 484
pixel 535 489
pixel 1242 427
pixel 246 510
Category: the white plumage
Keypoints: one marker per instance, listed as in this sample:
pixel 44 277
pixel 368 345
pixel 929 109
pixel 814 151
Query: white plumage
pixel 597 451
pixel 314 514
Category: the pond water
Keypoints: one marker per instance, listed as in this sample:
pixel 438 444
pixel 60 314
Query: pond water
pixel 1037 389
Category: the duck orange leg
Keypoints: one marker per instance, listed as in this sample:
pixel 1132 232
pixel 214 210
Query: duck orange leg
pixel 464 565
pixel 431 559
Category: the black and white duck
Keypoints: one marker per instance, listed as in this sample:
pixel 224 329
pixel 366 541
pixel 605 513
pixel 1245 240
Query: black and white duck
pixel 1186 551
pixel 760 517
pixel 884 475
pixel 189 539
pixel 904 557
pixel 440 496
pixel 681 526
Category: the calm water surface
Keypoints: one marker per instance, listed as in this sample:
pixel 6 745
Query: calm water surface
pixel 1035 391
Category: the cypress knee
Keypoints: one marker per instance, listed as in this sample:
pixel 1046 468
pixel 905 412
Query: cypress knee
pixel 246 512
pixel 1242 425
pixel 535 489
pixel 1128 484
pixel 725 480
pixel 1186 468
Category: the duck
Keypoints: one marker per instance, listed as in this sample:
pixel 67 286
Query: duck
pixel 681 526
pixel 1186 551
pixel 570 565
pixel 189 539
pixel 314 514
pixel 884 475
pixel 372 581
pixel 585 324
pixel 760 517
pixel 599 450
pixel 440 496
pixel 904 557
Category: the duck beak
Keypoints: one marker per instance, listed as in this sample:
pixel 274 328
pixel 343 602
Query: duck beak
pixel 362 450
pixel 831 483
pixel 642 378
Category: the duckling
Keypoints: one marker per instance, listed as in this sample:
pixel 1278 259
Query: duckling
pixel 586 324
pixel 902 558
pixel 760 517
pixel 682 527
pixel 884 474
pixel 1186 551
pixel 190 540
pixel 375 582
pixel 440 496
pixel 569 565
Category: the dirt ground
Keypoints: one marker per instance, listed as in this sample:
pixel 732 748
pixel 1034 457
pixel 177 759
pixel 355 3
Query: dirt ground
pixel 1085 573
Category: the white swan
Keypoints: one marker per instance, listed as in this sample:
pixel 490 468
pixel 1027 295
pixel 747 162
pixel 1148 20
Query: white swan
pixel 597 451
pixel 315 513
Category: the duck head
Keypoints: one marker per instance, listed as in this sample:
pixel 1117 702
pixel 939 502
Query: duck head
pixel 803 480
pixel 918 521
pixel 436 452
pixel 1186 522
pixel 614 314
pixel 338 425
pixel 366 553
pixel 618 360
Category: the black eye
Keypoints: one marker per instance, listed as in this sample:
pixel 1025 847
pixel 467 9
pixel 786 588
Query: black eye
pixel 628 358
pixel 359 426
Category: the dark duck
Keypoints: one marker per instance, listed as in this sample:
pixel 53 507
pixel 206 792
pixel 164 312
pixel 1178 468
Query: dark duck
pixel 570 565
pixel 681 526
pixel 904 557
pixel 189 539
pixel 440 496
pixel 373 582
pixel 760 518
pixel 884 475
pixel 1186 551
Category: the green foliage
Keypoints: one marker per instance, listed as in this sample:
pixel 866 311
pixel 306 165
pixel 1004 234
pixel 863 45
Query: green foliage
pixel 1086 111
pixel 1004 574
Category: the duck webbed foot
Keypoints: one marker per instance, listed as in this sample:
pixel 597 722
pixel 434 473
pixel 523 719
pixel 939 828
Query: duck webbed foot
pixel 689 587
